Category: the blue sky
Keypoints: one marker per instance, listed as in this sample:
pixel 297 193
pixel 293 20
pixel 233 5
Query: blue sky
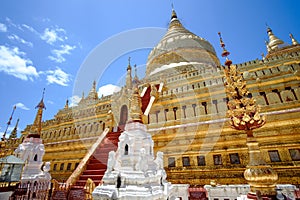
pixel 43 44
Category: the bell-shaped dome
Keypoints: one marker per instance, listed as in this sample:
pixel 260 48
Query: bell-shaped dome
pixel 179 47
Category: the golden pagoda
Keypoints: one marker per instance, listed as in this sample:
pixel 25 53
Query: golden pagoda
pixel 184 103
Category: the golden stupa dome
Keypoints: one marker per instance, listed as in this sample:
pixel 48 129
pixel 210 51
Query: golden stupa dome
pixel 179 47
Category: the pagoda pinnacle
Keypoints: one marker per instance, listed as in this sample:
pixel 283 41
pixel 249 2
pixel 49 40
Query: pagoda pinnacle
pixel 37 124
pixel 274 42
pixel 67 104
pixel 13 134
pixel 174 20
pixel 174 15
pixel 128 75
pixel 294 41
pixel 93 95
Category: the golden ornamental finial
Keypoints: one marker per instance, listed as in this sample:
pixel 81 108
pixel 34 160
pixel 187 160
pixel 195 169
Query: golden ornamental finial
pixel 129 64
pixel 243 111
pixel 225 53
pixel 174 15
pixel 244 115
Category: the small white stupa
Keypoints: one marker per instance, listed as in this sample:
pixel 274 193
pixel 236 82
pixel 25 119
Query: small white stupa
pixel 34 180
pixel 132 172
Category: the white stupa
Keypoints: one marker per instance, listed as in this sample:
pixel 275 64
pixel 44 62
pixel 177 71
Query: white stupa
pixel 132 172
pixel 35 180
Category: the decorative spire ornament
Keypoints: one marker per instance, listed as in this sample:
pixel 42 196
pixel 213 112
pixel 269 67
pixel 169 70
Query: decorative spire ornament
pixel 174 20
pixel 244 115
pixel 128 75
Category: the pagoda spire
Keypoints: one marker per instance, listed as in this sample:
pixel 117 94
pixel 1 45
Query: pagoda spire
pixel 93 92
pixel 37 124
pixel 174 19
pixel 128 75
pixel 13 134
pixel 274 41
pixel 294 41
pixel 67 104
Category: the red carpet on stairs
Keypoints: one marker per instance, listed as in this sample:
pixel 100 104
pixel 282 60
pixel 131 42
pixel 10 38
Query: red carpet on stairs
pixel 96 166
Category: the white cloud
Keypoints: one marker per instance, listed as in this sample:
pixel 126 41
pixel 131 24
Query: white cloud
pixel 58 53
pixel 74 100
pixel 12 62
pixel 3 27
pixel 21 106
pixel 21 40
pixel 31 29
pixel 10 23
pixel 53 35
pixel 57 76
pixel 108 89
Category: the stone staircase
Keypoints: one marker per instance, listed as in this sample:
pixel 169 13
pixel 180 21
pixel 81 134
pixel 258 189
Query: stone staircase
pixel 96 165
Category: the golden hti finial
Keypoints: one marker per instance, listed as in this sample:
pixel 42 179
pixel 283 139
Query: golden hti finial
pixel 8 123
pixel 129 64
pixel 174 19
pixel 128 75
pixel 174 15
